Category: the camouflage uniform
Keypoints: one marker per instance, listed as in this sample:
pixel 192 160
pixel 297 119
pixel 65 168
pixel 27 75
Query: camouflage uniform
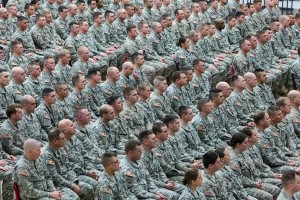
pixel 5 99
pixel 19 90
pixel 64 73
pixel 241 105
pixel 112 89
pixel 81 99
pixel 265 92
pixel 83 67
pixel 48 80
pixel 202 85
pixel 96 96
pixel 120 32
pixel 19 61
pixel 34 181
pixel 148 110
pixel 176 97
pixel 61 28
pixel 61 172
pixel 188 194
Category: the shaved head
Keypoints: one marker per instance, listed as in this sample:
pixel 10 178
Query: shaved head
pixel 30 144
pixel 249 75
pixel 63 123
pixel 221 85
pixel 292 94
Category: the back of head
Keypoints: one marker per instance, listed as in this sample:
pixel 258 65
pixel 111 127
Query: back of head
pixel 46 92
pixel 209 158
pixel 288 178
pixel 53 134
pixel 131 145
pixel 106 158
pixel 144 135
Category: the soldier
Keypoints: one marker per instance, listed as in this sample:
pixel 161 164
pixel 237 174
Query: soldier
pixel 241 64
pixel 183 56
pixel 61 24
pixel 51 29
pixel 120 124
pixel 32 128
pixel 130 12
pixel 203 15
pixel 239 101
pixel 61 90
pixel 267 14
pixel 47 76
pixel 42 38
pixel 252 97
pixel 295 29
pixel 111 86
pixel 50 6
pixel 180 29
pixel 139 69
pixel 107 28
pixel 130 45
pixel 192 180
pixel 146 13
pixel 141 185
pixel 105 132
pixel 143 90
pixel 211 162
pixel 213 11
pixel 72 12
pixel 89 12
pixel 47 112
pixel 3 64
pixel 59 168
pixel 266 145
pixel 94 90
pixel 233 34
pixel 78 97
pixel 175 91
pixel 63 70
pixel 194 18
pixel 113 183
pixel 151 162
pixel 158 99
pixel 207 130
pixel 258 16
pixel 72 42
pixel 78 157
pixel 17 88
pixel 6 32
pixel 293 95
pixel 156 11
pixel 18 58
pixel 263 89
pixel 289 185
pixel 284 34
pixel 243 165
pixel 195 147
pixel 12 137
pixel 81 14
pixel 136 118
pixel 201 81
pixel 86 137
pixel 33 80
pixel 119 27
pixel 33 178
pixel 241 23
pixel 127 77
pixel 6 98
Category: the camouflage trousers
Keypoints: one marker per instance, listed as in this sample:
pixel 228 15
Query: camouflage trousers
pixel 169 194
pixel 88 186
pixel 7 185
pixel 267 192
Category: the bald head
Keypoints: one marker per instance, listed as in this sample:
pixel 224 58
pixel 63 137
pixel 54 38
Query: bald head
pixel 104 109
pixel 249 75
pixel 127 65
pixel 283 18
pixel 293 94
pixel 25 99
pixel 221 85
pixel 155 24
pixel 30 144
pixel 64 123
pixel 3 10
pixel 225 87
pixel 16 71
pixel 82 49
pixel 111 70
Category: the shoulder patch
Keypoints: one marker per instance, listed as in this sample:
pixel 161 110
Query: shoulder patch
pixel 50 162
pixel 23 172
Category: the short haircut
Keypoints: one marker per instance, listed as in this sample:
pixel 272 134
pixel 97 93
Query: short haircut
pixel 259 116
pixel 131 145
pixel 209 158
pixel 71 24
pixel 272 110
pixel 144 135
pixel 247 131
pixel 135 56
pixel 21 18
pixel 183 110
pixel 168 119
pixel 237 138
pixel 127 91
pixel 112 99
pixel 156 127
pixel 12 109
pixel 213 93
pixel 142 87
pixel 238 14
pixel 107 157
pixel 58 86
pixel 229 18
pixel 53 134
pixel 288 178
pixel 196 61
pixel 180 41
pixel 221 152
pixel 62 53
pixel 46 92
pixel 62 8
pixel 96 15
pixel 3 70
pixel 176 75
pixel 281 101
pixel 129 27
pixel 108 12
pixel 201 103
pixel 258 71
pixel 76 78
pixel 158 80
pixel 78 111
pixel 190 175
pixel 93 71
pixel 79 2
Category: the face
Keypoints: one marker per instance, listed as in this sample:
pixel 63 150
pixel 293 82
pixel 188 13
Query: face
pixel 100 4
pixel 292 19
pixel 180 15
pixel 186 44
pixel 110 115
pixel 258 6
pixel 146 93
pixel 42 21
pixel 275 27
pixel 203 6
pixel 247 46
pixel 73 10
pixel 266 121
pixel 30 105
pixel 20 76
pixel 84 55
pixel 118 105
pixel 99 20
pixel 133 32
pixel 18 115
pixel 85 116
pixel 158 28
pixel 130 11
pixel 254 138
pixel 70 128
pixel 189 115
pixel 116 75
pixel 136 154
pixel 169 21
pixel 13 11
pixel 23 24
pixel 81 83
pixel 252 81
pixel 61 140
pixel 75 29
pixel 196 8
pixel 110 17
pixel 214 4
pixel 187 13
pixel 262 77
pixel 66 59
pixel 122 15
pixel 163 86
pixel 232 22
pixel 49 18
pixel 286 109
pixel 30 10
pixel 149 4
pixel 151 141
pixel 84 27
pixel 18 49
pixel 64 13
pixel 50 64
pixel 133 97
pixel 200 67
pixel 189 75
pixel 175 125
pixel 81 7
pixel 226 90
pixel 97 77
pixel 163 135
pixel 277 118
pixel 252 9
pixel 244 145
pixel 140 60
pixel 4 15
pixel 212 29
pixel 36 152
pixel 286 22
pixel 226 158
pixel 296 185
pixel 207 107
pixel 4 78
pixel 115 164
pixel 240 19
pixel 182 80
pixel 63 92
pixel 93 5
pixel 51 98
pixel 241 83
pixel 217 165
pixel 219 99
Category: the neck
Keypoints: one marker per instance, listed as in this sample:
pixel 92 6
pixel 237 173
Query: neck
pixel 204 114
pixel 109 172
pixel 249 87
pixel 73 34
pixel 53 147
pixel 198 73
pixel 13 121
pixel 237 150
pixel 260 128
pixel 215 105
pixel 193 188
pixel 68 136
pixel 105 121
pixel 92 83
pixel 184 122
pixel 60 98
pixel 142 98
pixel 210 172
pixel 80 124
pixel 158 91
pixel 238 90
pixel 47 104
pixel 117 113
pixel 273 123
pixel 147 149
pixel 171 132
pixel 76 90
pixel 129 103
pixel 294 106
pixel 288 192
pixel 159 141
pixel 33 77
